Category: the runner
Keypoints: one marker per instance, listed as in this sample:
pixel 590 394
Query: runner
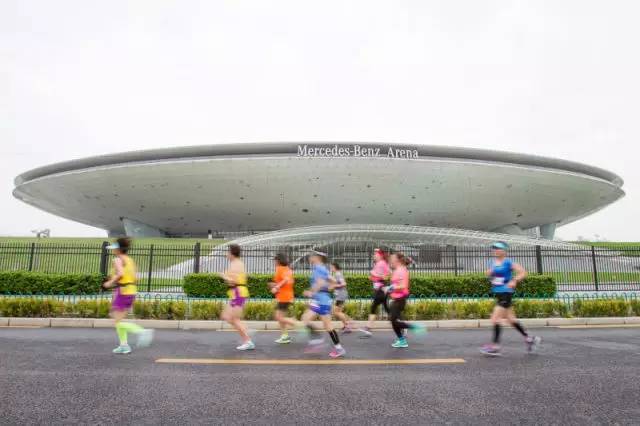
pixel 320 305
pixel 282 288
pixel 399 293
pixel 378 276
pixel 236 278
pixel 123 279
pixel 341 296
pixel 503 285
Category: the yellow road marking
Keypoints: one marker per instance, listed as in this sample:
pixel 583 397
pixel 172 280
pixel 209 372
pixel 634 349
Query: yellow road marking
pixel 215 361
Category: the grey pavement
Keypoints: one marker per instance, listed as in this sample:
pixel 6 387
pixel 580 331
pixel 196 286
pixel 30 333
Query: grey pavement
pixel 69 376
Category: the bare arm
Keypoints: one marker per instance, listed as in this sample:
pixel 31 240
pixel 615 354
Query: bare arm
pixel 118 267
pixel 520 274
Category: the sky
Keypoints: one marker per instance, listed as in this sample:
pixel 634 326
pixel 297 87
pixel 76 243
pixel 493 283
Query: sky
pixel 84 77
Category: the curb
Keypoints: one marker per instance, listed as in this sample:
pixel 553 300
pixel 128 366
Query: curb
pixel 217 325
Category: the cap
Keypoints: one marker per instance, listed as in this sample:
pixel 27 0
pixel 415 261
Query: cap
pixel 114 245
pixel 500 245
pixel 318 253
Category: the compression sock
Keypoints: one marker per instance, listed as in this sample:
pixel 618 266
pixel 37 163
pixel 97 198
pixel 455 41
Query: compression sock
pixel 496 333
pixel 131 327
pixel 519 327
pixel 334 337
pixel 122 334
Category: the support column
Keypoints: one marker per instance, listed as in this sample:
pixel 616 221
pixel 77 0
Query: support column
pixel 548 231
pixel 136 229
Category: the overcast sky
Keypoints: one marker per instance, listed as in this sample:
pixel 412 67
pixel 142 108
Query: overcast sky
pixel 556 78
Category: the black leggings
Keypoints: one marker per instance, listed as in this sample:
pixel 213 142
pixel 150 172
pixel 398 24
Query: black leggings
pixel 395 313
pixel 379 298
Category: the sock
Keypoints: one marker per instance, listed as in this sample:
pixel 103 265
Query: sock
pixel 285 333
pixel 338 346
pixel 131 327
pixel 122 334
pixel 496 333
pixel 334 337
pixel 519 327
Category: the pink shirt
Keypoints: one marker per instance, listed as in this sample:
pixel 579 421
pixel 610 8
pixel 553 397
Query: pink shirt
pixel 400 278
pixel 379 271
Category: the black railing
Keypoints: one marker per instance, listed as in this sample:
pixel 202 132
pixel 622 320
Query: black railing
pixel 162 266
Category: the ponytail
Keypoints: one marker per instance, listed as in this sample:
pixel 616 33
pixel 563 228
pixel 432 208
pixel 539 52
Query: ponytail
pixel 405 260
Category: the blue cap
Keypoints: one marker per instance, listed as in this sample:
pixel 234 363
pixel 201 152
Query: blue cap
pixel 500 245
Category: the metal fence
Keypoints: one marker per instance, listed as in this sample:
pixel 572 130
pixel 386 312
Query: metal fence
pixel 161 267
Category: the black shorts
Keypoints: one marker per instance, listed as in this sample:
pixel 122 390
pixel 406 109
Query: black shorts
pixel 379 298
pixel 340 302
pixel 283 306
pixel 396 306
pixel 504 300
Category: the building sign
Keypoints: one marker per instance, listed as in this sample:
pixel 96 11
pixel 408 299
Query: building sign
pixel 361 151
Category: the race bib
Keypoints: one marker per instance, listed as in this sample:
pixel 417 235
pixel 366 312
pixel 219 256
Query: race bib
pixel 497 281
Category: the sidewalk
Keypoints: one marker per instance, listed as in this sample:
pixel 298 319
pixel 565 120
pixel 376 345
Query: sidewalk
pixel 272 325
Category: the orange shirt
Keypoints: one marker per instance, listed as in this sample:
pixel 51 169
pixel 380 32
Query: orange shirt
pixel 285 294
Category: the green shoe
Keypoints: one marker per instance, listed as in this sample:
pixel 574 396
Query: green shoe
pixel 122 349
pixel 283 339
pixel 400 343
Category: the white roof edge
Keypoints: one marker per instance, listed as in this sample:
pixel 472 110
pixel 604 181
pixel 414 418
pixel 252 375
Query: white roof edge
pixel 288 148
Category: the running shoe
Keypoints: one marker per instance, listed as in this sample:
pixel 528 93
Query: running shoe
pixel 490 350
pixel 283 340
pixel 346 330
pixel 337 353
pixel 122 349
pixel 247 346
pixel 366 332
pixel 145 338
pixel 400 343
pixel 532 343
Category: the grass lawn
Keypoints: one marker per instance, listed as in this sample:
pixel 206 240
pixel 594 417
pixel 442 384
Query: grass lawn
pixel 99 240
pixel 82 255
pixel 587 277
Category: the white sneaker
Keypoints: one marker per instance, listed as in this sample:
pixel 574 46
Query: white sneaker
pixel 248 346
pixel 122 349
pixel 145 338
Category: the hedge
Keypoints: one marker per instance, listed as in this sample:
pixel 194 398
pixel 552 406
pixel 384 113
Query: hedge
pixel 418 310
pixel 211 285
pixel 40 283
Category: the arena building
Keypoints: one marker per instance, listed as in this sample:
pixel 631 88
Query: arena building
pixel 245 189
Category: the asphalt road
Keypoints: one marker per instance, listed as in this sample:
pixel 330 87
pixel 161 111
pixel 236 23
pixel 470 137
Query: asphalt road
pixel 69 376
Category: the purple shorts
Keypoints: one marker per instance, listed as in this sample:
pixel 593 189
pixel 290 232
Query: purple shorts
pixel 237 302
pixel 122 302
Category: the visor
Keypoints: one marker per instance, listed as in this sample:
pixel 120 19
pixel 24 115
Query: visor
pixel 500 246
pixel 113 246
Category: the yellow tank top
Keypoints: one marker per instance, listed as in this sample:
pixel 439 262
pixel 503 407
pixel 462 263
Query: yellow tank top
pixel 127 283
pixel 240 290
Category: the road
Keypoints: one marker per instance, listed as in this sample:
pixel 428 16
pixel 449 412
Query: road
pixel 69 376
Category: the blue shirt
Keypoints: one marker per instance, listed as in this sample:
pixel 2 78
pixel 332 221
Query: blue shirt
pixel 501 275
pixel 320 272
